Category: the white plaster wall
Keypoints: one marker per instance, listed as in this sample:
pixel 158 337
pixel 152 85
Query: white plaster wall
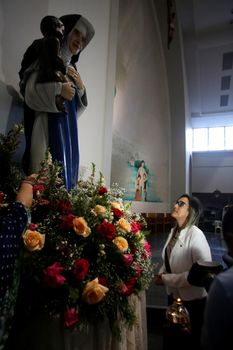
pixel 1 34
pixel 174 60
pixel 141 124
pixel 211 171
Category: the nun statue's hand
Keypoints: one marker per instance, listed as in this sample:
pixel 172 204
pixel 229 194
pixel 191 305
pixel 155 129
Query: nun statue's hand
pixel 75 76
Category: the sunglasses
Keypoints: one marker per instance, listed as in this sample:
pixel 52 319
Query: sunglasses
pixel 180 203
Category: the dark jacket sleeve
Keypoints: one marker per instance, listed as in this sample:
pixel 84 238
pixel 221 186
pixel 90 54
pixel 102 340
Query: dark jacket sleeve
pixel 12 225
pixel 217 328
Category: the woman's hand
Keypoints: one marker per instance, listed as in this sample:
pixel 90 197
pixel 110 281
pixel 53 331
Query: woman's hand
pixel 67 91
pixel 159 280
pixel 75 76
pixel 25 192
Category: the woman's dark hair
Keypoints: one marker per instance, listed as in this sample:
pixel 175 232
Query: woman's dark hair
pixel 195 210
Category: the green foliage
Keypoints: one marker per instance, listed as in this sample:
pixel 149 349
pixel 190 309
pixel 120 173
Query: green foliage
pixel 10 170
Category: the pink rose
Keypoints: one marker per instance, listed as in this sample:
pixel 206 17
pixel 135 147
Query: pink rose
pixel 130 284
pixel 135 226
pixel 127 258
pixel 147 248
pixel 52 275
pixel 70 317
pixel 122 288
pixel 137 270
pixel 127 288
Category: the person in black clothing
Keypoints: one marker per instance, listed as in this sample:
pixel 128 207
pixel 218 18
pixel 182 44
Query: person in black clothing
pixel 13 220
pixel 51 66
pixel 218 316
pixel 51 27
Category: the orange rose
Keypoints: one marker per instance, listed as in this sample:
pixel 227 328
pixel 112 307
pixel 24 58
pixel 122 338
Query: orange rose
pixel 121 243
pixel 94 292
pixel 116 205
pixel 99 210
pixel 81 227
pixel 33 240
pixel 124 225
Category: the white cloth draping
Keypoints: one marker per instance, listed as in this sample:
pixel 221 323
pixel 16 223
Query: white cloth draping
pixel 45 334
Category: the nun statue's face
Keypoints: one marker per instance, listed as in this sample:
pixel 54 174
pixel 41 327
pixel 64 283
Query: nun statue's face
pixel 76 42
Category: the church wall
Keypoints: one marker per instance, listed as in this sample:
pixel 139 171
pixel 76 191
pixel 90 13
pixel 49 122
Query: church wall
pixel 141 108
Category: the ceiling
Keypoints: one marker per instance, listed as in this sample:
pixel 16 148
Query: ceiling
pixel 207 28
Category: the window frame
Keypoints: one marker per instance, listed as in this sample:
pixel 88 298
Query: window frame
pixel 208 149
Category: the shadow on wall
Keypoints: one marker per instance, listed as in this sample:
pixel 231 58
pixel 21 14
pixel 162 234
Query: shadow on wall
pixel 11 113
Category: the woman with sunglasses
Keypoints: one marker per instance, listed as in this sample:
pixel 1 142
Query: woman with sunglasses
pixel 186 244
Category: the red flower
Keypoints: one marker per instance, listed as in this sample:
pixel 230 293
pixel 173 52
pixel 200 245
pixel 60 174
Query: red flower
pixel 80 269
pixel 127 287
pixel 106 230
pixel 137 270
pixel 118 213
pixel 127 258
pixel 122 289
pixel 135 226
pixel 102 190
pixel 67 222
pixel 52 275
pixel 130 284
pixel 70 317
pixel 103 281
pixel 1 196
pixel 38 188
pixel 44 202
pixel 147 248
pixel 33 227
pixel 64 206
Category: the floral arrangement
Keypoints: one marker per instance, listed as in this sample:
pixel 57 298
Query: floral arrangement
pixel 84 252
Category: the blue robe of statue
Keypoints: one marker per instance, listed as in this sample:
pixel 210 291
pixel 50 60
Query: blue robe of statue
pixel 63 141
